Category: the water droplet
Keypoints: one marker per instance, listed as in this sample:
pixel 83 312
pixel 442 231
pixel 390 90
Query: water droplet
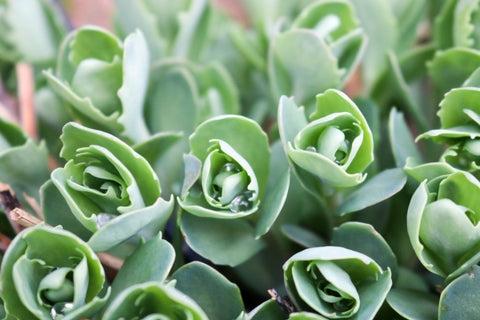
pixel 60 309
pixel 103 218
pixel 311 149
pixel 242 202
pixel 230 167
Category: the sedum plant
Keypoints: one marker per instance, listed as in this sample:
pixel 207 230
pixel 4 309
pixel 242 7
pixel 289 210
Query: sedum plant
pixel 245 160
pixel 334 144
pixel 104 88
pixel 332 43
pixel 49 273
pixel 335 283
pixel 153 301
pixel 229 183
pixel 443 206
pixel 110 189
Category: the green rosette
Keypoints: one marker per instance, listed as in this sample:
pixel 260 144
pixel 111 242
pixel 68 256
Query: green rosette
pixel 105 88
pixel 153 301
pixel 335 283
pixel 332 43
pixel 110 189
pixel 459 129
pixel 334 145
pixel 230 188
pixel 442 224
pixel 49 273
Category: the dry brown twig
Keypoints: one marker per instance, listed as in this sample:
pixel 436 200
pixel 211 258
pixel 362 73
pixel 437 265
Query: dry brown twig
pixel 283 302
pixel 9 202
pixel 26 94
pixel 23 219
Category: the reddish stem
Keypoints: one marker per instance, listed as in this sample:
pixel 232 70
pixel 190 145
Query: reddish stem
pixel 26 94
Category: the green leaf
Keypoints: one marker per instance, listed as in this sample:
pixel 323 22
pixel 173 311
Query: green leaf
pixel 302 236
pixel 23 163
pixel 152 300
pixel 413 305
pixel 31 262
pixel 218 297
pixel 135 15
pixel 305 316
pixel 24 18
pixel 129 224
pixel 268 310
pixel 277 191
pixel 335 114
pixel 157 145
pixel 457 300
pixel 363 238
pixel 410 15
pixel 173 94
pixel 381 30
pixel 454 25
pixel 151 261
pixel 442 207
pixel 312 274
pixel 57 213
pixel 193 30
pixel 301 74
pixel 401 140
pixel 224 242
pixel 450 68
pixel 381 187
pixel 136 65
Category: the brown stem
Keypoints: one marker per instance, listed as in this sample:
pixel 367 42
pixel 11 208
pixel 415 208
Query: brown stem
pixel 26 93
pixel 24 218
pixel 283 302
pixel 21 218
pixel 9 202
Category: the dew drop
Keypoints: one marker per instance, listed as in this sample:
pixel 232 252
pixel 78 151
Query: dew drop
pixel 242 202
pixel 60 309
pixel 230 167
pixel 311 149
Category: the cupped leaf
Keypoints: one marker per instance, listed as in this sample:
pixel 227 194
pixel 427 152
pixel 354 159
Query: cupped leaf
pixel 336 282
pixel 363 238
pixel 455 24
pixel 32 284
pixel 454 103
pixel 218 297
pixel 152 300
pixel 333 101
pixel 268 310
pixel 243 135
pixel 444 207
pixel 450 68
